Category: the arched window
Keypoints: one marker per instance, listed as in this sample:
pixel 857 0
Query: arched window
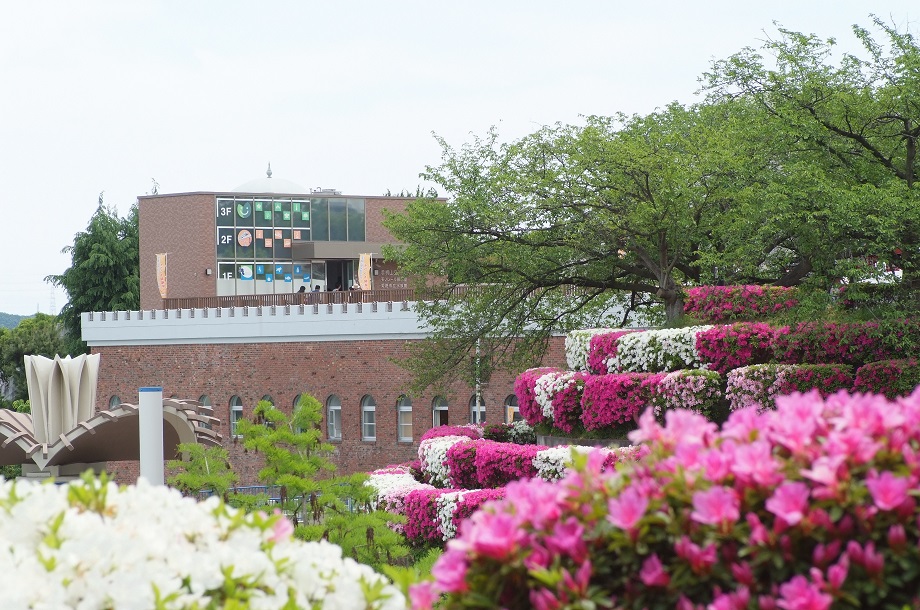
pixel 368 418
pixel 236 413
pixel 404 419
pixel 512 412
pixel 297 401
pixel 477 409
pixel 205 401
pixel 268 398
pixel 334 418
pixel 439 411
pixel 114 401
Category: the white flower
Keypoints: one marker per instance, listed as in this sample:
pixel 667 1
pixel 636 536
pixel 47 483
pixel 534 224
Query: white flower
pixel 432 453
pixel 654 351
pixel 577 344
pixel 91 545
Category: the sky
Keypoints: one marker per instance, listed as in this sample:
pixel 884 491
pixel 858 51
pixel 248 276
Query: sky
pixel 106 97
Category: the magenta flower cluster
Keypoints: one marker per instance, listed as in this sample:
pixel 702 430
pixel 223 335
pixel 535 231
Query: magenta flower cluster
pixel 889 377
pixel 602 349
pixel 490 464
pixel 758 385
pixel 612 401
pixel 525 390
pixel 716 304
pixel 728 347
pixel 809 507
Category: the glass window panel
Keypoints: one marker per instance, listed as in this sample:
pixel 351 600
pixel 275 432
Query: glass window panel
pixel 477 410
pixel 224 212
pixel 226 246
pixel 405 424
pixel 439 411
pixel 368 419
pixel 282 213
pixel 265 244
pixel 244 211
pixel 262 213
pixel 319 219
pixel 283 239
pixel 334 417
pixel 338 220
pixel 245 243
pixel 356 220
pixel 300 215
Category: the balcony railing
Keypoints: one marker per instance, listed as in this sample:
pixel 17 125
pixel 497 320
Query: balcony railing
pixel 297 298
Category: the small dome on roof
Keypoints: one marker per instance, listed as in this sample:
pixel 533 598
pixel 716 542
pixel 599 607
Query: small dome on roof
pixel 271 185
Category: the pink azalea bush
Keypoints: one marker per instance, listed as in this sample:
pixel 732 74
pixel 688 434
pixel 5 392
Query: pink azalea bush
pixel 602 351
pixel 525 390
pixel 469 430
pixel 726 347
pixel 716 304
pixel 889 377
pixel 812 506
pixel 698 390
pixel 611 403
pixel 559 395
pixel 489 464
pixel 759 384
pixel 853 343
pixel 825 378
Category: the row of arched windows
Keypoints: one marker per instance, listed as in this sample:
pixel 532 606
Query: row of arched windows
pixel 405 433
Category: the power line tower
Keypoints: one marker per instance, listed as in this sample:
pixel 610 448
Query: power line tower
pixel 53 306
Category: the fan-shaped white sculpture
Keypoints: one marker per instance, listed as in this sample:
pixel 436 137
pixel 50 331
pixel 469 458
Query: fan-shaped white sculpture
pixel 64 437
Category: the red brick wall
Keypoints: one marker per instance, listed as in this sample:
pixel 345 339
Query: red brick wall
pixel 183 227
pixel 373 208
pixel 350 370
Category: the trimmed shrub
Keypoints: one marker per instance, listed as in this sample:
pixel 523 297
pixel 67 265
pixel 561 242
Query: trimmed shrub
pixel 758 385
pixel 470 430
pixel 889 377
pixel 559 395
pixel 717 304
pixel 460 462
pixel 825 378
pixel 497 464
pixel 577 343
pixel 525 389
pixel 611 403
pixel 656 351
pixel 697 390
pixel 602 351
pixel 726 347
pixel 422 523
pixel 853 343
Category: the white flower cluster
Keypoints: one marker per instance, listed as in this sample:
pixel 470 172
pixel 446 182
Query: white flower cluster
pixel 521 432
pixel 655 351
pixel 432 453
pixel 547 386
pixel 446 504
pixel 553 463
pixel 392 485
pixel 577 343
pixel 92 545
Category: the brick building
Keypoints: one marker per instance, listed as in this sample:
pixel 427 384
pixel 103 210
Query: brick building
pixel 231 341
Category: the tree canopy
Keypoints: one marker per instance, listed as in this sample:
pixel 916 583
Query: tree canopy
pixel 40 335
pixel 104 274
pixel 782 175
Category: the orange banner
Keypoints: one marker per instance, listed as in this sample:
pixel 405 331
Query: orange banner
pixel 364 272
pixel 161 274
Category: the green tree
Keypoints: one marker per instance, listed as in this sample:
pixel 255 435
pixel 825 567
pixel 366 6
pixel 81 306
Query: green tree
pixel 104 274
pixel 844 133
pixel 561 230
pixel 202 469
pixel 323 506
pixel 40 335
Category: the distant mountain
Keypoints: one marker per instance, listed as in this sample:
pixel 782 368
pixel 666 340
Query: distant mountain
pixel 8 320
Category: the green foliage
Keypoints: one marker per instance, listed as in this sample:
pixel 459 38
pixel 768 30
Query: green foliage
pixel 104 274
pixel 200 469
pixel 40 335
pixel 323 506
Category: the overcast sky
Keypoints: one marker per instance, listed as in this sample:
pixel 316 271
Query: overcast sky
pixel 107 96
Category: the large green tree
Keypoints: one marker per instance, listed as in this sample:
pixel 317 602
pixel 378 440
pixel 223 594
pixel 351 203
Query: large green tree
pixel 104 274
pixel 40 335
pixel 568 227
pixel 844 131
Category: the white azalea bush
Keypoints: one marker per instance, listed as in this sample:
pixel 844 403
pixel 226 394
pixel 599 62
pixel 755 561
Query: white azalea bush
pixel 577 346
pixel 658 351
pixel 432 454
pixel 90 544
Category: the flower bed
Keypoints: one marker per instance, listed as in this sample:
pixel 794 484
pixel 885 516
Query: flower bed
pixel 90 544
pixel 611 403
pixel 577 343
pixel 602 351
pixel 819 342
pixel 558 393
pixel 656 351
pixel 715 304
pixel 525 388
pixel 889 377
pixel 726 347
pixel 758 385
pixel 694 389
pixel 809 506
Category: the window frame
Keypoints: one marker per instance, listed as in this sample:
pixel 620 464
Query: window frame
pixel 236 414
pixel 333 423
pixel 368 406
pixel 403 408
pixel 481 410
pixel 439 405
pixel 512 409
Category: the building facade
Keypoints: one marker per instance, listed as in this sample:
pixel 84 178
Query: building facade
pixel 252 243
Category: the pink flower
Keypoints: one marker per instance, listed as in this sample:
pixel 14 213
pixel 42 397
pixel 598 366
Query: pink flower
pixel 626 510
pixel 888 491
pixel 800 594
pixel 789 502
pixel 423 595
pixel 716 506
pixel 568 538
pixel 449 570
pixel 282 529
pixel 653 573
